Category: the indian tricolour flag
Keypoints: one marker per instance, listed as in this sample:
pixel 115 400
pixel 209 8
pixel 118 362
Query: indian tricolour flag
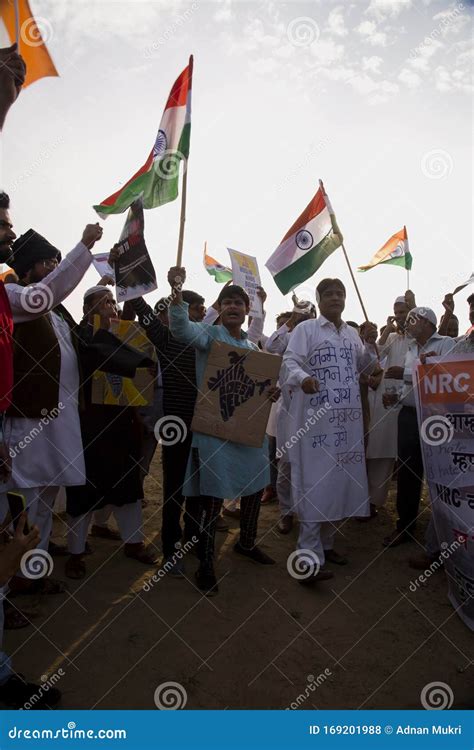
pixel 221 273
pixel 305 247
pixel 157 180
pixel 395 251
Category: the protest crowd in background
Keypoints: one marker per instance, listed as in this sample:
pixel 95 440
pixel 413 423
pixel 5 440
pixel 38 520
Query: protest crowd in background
pixel 339 398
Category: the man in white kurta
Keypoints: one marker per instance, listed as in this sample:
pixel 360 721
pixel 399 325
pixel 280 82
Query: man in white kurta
pixel 382 443
pixel 47 453
pixel 326 447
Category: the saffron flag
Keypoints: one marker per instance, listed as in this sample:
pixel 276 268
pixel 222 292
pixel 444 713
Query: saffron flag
pixel 156 182
pixel 221 273
pixel 33 36
pixel 395 251
pixel 305 247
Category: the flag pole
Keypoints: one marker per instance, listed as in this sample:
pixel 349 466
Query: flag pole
pixel 355 283
pixel 179 258
pixel 17 24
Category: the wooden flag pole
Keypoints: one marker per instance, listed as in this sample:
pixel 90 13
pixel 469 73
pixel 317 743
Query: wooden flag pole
pixel 355 283
pixel 179 258
pixel 17 25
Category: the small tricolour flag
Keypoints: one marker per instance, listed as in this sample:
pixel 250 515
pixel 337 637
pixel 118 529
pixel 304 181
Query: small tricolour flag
pixel 156 182
pixel 221 273
pixel 305 247
pixel 395 251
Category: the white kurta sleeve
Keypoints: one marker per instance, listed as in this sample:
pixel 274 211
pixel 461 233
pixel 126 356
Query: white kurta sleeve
pixel 210 316
pixel 278 341
pixel 255 331
pixel 296 357
pixel 35 300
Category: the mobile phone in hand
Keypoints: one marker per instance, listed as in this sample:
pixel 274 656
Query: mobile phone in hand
pixel 17 505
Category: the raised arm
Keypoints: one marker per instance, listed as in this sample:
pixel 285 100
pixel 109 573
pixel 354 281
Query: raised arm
pixel 278 340
pixel 181 328
pixel 155 330
pixel 33 301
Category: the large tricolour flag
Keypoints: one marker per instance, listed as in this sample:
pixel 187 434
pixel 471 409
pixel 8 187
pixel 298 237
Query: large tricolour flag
pixel 305 247
pixel 157 180
pixel 395 251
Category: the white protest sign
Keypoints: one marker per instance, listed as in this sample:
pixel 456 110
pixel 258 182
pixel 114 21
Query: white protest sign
pixel 245 273
pixel 100 262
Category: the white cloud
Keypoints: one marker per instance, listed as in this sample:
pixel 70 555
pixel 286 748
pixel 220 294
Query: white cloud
pixel 422 55
pixel 224 12
pixel 372 64
pixel 335 23
pixel 410 78
pixel 368 30
pixel 326 51
pixel 457 80
pixel 452 20
pixel 387 8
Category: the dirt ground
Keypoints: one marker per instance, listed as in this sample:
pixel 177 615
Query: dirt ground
pixel 375 642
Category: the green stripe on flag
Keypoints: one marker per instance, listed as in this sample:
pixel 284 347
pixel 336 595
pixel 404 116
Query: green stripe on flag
pixel 308 264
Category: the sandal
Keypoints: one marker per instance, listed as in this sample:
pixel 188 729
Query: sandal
pixel 75 568
pixel 48 586
pixel 139 552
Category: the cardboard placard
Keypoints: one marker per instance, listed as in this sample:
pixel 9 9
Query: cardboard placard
pixel 115 390
pixel 232 402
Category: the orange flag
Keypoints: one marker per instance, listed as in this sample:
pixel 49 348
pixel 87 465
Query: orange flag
pixel 31 40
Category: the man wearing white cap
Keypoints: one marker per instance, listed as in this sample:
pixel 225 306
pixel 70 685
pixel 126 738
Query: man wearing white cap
pixel 382 444
pixel 421 325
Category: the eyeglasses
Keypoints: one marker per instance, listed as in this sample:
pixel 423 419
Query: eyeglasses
pixel 49 263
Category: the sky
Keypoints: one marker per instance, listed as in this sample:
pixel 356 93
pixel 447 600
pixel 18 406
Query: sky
pixel 373 97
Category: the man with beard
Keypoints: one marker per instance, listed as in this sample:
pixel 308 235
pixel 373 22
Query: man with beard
pixel 111 439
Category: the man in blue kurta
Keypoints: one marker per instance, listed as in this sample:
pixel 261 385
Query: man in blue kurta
pixel 220 468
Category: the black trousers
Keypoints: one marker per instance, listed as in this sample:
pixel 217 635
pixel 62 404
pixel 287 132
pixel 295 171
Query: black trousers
pixel 175 459
pixel 410 470
pixel 206 510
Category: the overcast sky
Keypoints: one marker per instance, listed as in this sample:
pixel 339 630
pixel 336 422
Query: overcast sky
pixel 372 96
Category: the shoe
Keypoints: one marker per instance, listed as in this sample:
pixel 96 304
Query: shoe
pixel 174 567
pixel 17 693
pixel 138 551
pixel 285 524
pixel 105 533
pixel 221 525
pixel 321 575
pixel 75 567
pixel 57 550
pixel 396 538
pixel 373 514
pixel 255 554
pixel 232 513
pixel 269 495
pixel 334 557
pixel 424 562
pixel 206 580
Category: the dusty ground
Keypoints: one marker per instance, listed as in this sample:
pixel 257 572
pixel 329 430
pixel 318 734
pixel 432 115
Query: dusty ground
pixel 253 645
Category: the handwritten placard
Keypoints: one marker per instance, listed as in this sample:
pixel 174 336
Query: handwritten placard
pixel 245 273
